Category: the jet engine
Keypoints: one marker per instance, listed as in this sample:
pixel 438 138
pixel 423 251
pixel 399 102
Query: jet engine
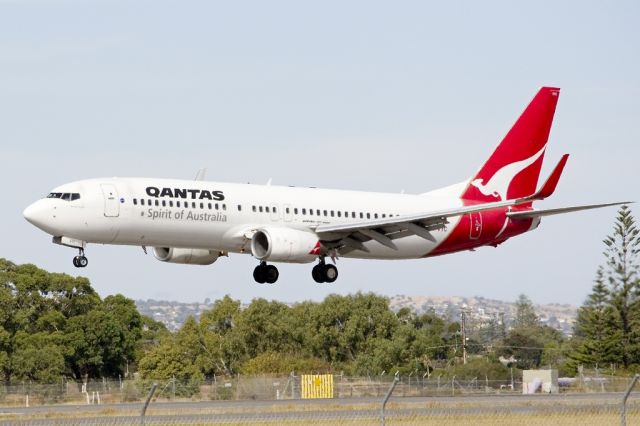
pixel 186 256
pixel 284 245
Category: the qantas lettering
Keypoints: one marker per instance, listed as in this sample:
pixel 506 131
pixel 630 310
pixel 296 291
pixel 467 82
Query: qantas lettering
pixel 194 194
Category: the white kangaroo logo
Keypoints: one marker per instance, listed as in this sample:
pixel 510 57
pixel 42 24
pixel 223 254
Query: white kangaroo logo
pixel 499 183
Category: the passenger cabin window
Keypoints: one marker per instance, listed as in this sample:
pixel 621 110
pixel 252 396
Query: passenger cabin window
pixel 239 207
pixel 295 210
pixel 177 203
pixel 135 201
pixel 266 209
pixel 304 211
pixel 224 207
pixel 170 203
pixel 164 203
pixel 142 201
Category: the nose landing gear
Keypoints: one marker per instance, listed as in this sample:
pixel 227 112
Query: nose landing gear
pixel 264 273
pixel 81 260
pixel 324 273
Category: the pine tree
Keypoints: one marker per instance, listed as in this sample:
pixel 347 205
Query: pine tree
pixel 596 328
pixel 608 324
pixel 622 274
pixel 525 313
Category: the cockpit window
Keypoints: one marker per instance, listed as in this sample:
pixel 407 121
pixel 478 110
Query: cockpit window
pixel 66 196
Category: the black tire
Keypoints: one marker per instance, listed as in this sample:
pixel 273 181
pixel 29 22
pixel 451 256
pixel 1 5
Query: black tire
pixel 259 274
pixel 271 274
pixel 75 261
pixel 330 273
pixel 83 262
pixel 317 274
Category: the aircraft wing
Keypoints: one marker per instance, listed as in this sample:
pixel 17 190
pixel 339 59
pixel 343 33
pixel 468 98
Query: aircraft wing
pixel 384 231
pixel 351 236
pixel 549 212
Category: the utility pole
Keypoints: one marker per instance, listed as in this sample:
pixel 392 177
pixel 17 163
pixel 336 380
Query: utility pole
pixel 463 320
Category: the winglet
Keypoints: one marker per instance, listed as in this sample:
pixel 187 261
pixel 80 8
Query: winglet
pixel 552 181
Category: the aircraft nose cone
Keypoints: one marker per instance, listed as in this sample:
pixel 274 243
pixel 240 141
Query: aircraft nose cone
pixel 36 214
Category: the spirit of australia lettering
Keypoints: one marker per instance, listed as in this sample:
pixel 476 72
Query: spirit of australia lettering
pixel 193 194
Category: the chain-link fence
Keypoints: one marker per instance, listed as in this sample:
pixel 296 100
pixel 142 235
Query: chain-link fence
pixel 287 400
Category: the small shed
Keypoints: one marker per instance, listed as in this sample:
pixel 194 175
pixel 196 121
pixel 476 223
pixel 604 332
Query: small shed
pixel 545 381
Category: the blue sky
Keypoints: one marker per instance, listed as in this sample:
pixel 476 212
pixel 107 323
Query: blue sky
pixel 384 96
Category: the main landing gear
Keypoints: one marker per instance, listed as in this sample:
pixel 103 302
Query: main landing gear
pixel 265 273
pixel 80 261
pixel 324 273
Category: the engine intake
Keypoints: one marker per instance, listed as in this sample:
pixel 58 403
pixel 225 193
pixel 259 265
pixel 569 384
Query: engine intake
pixel 284 245
pixel 186 256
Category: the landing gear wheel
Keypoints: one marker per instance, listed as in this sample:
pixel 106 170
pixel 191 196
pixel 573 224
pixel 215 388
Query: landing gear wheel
pixel 271 274
pixel 80 261
pixel 323 273
pixel 317 274
pixel 259 274
pixel 330 273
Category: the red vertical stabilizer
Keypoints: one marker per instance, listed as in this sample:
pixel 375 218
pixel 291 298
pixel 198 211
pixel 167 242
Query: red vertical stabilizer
pixel 513 169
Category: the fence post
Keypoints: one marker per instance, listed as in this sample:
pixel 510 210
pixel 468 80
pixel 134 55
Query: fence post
pixel 396 379
pixel 623 405
pixel 146 403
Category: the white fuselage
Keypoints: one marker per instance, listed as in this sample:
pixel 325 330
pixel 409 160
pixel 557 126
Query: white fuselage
pixel 221 216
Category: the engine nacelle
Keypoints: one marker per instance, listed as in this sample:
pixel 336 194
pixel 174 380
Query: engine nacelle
pixel 186 256
pixel 284 245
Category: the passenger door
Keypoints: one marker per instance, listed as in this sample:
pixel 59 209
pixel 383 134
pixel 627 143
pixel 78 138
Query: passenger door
pixel 111 202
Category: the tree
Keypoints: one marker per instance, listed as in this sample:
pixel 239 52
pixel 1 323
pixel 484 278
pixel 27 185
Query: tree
pixel 622 274
pixel 177 356
pixel 38 303
pixel 608 324
pixel 597 336
pixel 525 313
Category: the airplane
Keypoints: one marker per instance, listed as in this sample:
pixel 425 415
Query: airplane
pixel 197 222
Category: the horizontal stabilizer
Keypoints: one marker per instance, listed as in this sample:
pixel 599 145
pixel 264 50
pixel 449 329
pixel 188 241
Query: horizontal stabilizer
pixel 529 214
